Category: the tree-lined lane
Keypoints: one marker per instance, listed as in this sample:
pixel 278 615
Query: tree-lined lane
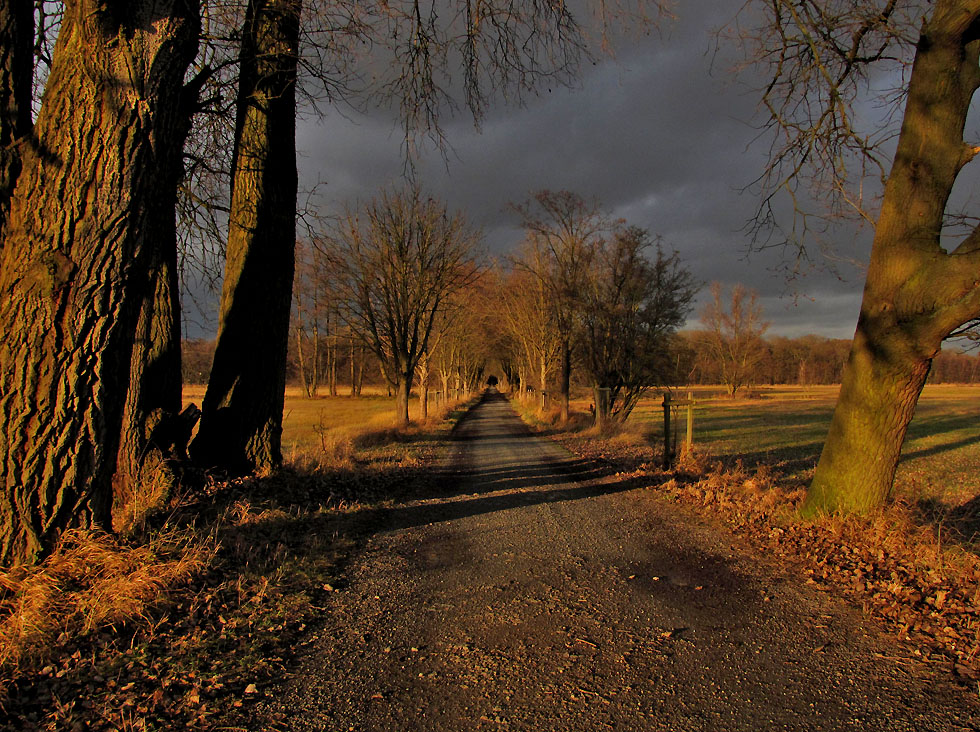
pixel 545 593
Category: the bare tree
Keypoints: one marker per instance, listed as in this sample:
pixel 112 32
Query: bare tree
pixel 921 284
pixel 733 334
pixel 398 261
pixel 502 46
pixel 563 227
pixel 526 311
pixel 628 310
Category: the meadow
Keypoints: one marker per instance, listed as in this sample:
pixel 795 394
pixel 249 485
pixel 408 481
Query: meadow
pixel 330 426
pixel 784 427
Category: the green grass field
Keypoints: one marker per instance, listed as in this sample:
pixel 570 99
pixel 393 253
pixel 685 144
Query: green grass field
pixel 785 427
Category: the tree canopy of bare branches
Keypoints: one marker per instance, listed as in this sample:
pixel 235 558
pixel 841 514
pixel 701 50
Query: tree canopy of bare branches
pixel 733 332
pixel 399 260
pixel 628 309
pixel 562 229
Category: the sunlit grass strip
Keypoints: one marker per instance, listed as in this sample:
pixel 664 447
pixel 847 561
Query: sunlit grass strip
pixel 92 581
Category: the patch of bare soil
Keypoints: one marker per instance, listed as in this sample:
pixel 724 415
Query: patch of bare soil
pixel 534 589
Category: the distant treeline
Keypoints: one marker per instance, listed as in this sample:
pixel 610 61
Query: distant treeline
pixel 336 356
pixel 805 360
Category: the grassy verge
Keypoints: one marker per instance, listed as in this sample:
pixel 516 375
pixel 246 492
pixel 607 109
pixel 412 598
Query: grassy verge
pixel 907 566
pixel 184 626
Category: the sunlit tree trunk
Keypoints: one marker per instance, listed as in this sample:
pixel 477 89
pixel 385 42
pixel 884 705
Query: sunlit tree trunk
pixel 565 379
pixel 150 431
pixel 353 367
pixel 75 270
pixel 423 370
pixel 916 293
pixel 241 425
pixel 301 360
pixel 403 388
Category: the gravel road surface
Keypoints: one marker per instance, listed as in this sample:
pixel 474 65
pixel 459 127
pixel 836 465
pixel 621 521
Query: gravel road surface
pixel 539 592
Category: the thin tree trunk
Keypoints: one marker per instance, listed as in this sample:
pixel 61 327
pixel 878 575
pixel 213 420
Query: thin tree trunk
pixel 74 274
pixel 241 427
pixel 315 362
pixel 353 378
pixel 303 378
pixel 566 377
pixel 332 357
pixel 423 372
pixel 402 390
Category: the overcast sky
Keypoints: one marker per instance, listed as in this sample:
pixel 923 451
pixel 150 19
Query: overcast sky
pixel 662 136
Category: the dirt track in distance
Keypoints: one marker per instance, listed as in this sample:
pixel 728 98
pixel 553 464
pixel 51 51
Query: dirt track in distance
pixel 538 592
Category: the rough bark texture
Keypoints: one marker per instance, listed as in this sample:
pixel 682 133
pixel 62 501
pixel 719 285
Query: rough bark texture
pixel 16 72
pixel 75 262
pixel 151 432
pixel 241 426
pixel 916 292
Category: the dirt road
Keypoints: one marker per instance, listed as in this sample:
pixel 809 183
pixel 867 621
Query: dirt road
pixel 539 593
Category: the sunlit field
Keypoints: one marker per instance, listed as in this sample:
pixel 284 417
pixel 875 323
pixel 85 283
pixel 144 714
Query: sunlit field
pixel 785 427
pixel 309 424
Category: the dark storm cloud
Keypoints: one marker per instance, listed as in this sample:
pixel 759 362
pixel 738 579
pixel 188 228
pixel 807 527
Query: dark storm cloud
pixel 662 136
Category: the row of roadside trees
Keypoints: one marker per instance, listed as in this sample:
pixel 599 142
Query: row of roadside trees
pixel 89 192
pixel 153 108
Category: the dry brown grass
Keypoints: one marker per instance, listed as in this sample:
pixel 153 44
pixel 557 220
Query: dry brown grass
pixel 92 581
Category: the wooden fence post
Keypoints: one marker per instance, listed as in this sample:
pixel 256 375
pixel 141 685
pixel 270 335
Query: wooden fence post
pixel 689 442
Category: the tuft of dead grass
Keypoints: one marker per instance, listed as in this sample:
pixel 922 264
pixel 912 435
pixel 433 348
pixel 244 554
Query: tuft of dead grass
pixel 93 580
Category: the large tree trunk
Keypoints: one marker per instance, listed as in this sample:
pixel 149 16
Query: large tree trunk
pixel 916 293
pixel 151 431
pixel 877 400
pixel 423 372
pixel 77 246
pixel 241 426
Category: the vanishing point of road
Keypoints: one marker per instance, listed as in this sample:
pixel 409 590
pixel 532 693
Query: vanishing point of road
pixel 541 592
